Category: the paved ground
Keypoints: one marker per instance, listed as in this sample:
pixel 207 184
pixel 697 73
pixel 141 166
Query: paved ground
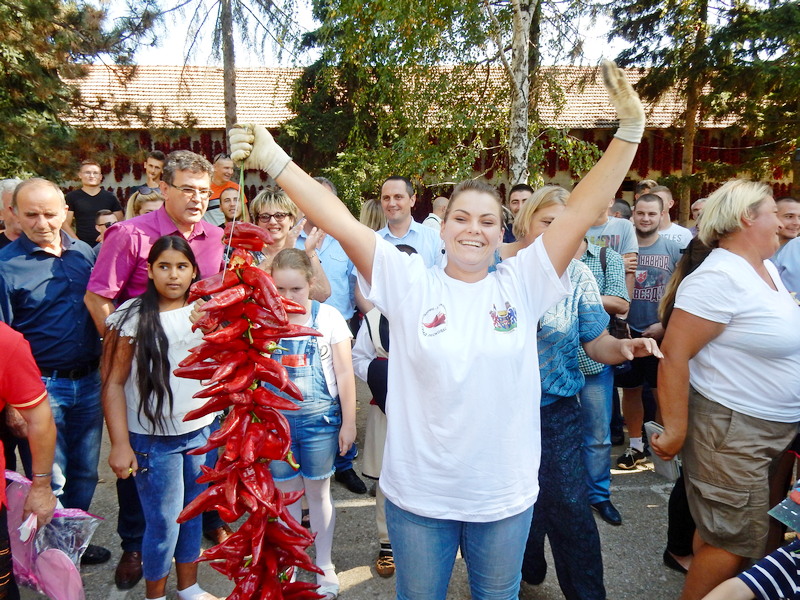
pixel 631 553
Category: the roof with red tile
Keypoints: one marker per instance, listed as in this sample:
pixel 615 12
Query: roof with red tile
pixel 194 94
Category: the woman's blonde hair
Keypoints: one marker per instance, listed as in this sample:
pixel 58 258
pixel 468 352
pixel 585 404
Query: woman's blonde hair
pixel 541 198
pixel 272 197
pixel 372 215
pixel 137 199
pixel 725 209
pixel 293 258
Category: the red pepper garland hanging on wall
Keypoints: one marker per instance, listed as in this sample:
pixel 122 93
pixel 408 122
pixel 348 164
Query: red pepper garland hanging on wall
pixel 246 317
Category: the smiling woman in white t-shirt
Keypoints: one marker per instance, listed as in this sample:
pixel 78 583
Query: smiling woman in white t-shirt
pixel 462 448
pixel 731 349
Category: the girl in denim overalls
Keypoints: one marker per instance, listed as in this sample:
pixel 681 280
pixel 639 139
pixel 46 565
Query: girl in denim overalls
pixel 325 424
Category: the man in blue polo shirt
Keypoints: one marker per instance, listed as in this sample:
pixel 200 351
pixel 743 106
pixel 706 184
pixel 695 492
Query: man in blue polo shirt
pixel 43 277
pixel 397 200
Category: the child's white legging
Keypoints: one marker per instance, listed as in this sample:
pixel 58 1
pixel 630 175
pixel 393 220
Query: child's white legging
pixel 322 516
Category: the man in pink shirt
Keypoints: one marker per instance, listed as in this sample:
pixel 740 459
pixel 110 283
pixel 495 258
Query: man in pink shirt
pixel 120 273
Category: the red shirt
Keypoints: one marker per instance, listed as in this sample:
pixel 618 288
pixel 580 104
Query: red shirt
pixel 21 383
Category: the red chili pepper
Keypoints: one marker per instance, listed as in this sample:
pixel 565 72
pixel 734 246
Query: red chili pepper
pixel 261 316
pixel 241 378
pixel 207 350
pixel 254 438
pixel 287 331
pixel 204 500
pixel 217 439
pixel 213 475
pixel 229 297
pixel 246 243
pixel 201 370
pixel 234 443
pixel 229 333
pixel 293 307
pixel 265 292
pixel 227 368
pixel 212 285
pixel 216 404
pixel 279 379
pixel 300 590
pixel 268 345
pixel 263 397
pixel 249 230
pixel 239 259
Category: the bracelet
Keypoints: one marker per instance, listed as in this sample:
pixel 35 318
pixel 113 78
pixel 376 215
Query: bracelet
pixel 42 474
pixel 313 256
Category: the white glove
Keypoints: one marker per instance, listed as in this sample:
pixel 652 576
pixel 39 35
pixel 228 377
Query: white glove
pixel 254 146
pixel 626 102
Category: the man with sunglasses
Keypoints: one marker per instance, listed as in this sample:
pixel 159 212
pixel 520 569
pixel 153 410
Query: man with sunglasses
pixel 220 181
pixel 120 273
pixel 153 167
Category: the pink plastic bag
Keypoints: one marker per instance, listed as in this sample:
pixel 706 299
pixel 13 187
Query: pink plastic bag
pixel 48 560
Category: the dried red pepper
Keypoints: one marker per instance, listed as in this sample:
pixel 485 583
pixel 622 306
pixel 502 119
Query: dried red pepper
pixel 246 317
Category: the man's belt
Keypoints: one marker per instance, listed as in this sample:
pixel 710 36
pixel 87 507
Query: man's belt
pixel 77 373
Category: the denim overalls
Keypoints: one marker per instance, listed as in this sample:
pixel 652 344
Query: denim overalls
pixel 315 427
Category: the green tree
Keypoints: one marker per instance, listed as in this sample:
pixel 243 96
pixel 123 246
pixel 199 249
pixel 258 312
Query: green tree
pixel 670 39
pixel 415 90
pixel 45 46
pixel 760 83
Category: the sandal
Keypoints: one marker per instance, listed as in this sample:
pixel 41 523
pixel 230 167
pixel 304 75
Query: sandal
pixel 329 590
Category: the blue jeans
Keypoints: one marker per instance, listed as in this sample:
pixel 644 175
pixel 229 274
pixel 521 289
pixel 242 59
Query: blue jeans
pixel 425 550
pixel 596 412
pixel 166 482
pixel 562 511
pixel 315 441
pixel 78 415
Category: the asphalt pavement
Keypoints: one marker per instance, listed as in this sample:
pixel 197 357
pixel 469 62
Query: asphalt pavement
pixel 631 552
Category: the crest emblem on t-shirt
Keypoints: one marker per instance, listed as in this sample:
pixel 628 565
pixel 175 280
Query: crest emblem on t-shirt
pixel 434 321
pixel 641 276
pixel 504 319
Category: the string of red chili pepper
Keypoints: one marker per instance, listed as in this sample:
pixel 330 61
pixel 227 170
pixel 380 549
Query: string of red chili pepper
pixel 244 319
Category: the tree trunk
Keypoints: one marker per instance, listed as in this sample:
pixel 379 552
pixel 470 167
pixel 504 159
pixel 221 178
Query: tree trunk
pixel 519 140
pixel 687 157
pixel 228 63
pixel 694 87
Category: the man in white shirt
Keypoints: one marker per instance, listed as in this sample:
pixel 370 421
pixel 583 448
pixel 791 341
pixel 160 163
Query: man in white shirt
pixel 434 219
pixel 668 229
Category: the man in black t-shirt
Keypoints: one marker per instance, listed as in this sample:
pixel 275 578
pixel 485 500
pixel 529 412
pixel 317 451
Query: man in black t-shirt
pixel 83 204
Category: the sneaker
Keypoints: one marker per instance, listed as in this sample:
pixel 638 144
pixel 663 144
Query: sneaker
pixel 631 458
pixel 384 565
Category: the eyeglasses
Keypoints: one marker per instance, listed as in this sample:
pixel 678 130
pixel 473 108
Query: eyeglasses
pixel 220 156
pixel 107 224
pixel 191 192
pixel 278 216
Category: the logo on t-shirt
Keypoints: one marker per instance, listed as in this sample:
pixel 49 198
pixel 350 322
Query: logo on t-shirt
pixel 504 320
pixel 434 321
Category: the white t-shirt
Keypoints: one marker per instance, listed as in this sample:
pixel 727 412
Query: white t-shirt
pixel 463 438
pixel 678 234
pixel 178 329
pixel 753 366
pixel 334 329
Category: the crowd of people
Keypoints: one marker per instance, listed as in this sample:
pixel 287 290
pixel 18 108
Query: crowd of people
pixel 545 303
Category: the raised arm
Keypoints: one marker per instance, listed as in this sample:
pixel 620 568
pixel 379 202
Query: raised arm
pixel 254 146
pixel 591 195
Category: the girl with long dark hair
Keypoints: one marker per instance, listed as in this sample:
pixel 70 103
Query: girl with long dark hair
pixel 144 405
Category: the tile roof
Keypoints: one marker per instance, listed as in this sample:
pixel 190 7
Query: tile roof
pixel 195 93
